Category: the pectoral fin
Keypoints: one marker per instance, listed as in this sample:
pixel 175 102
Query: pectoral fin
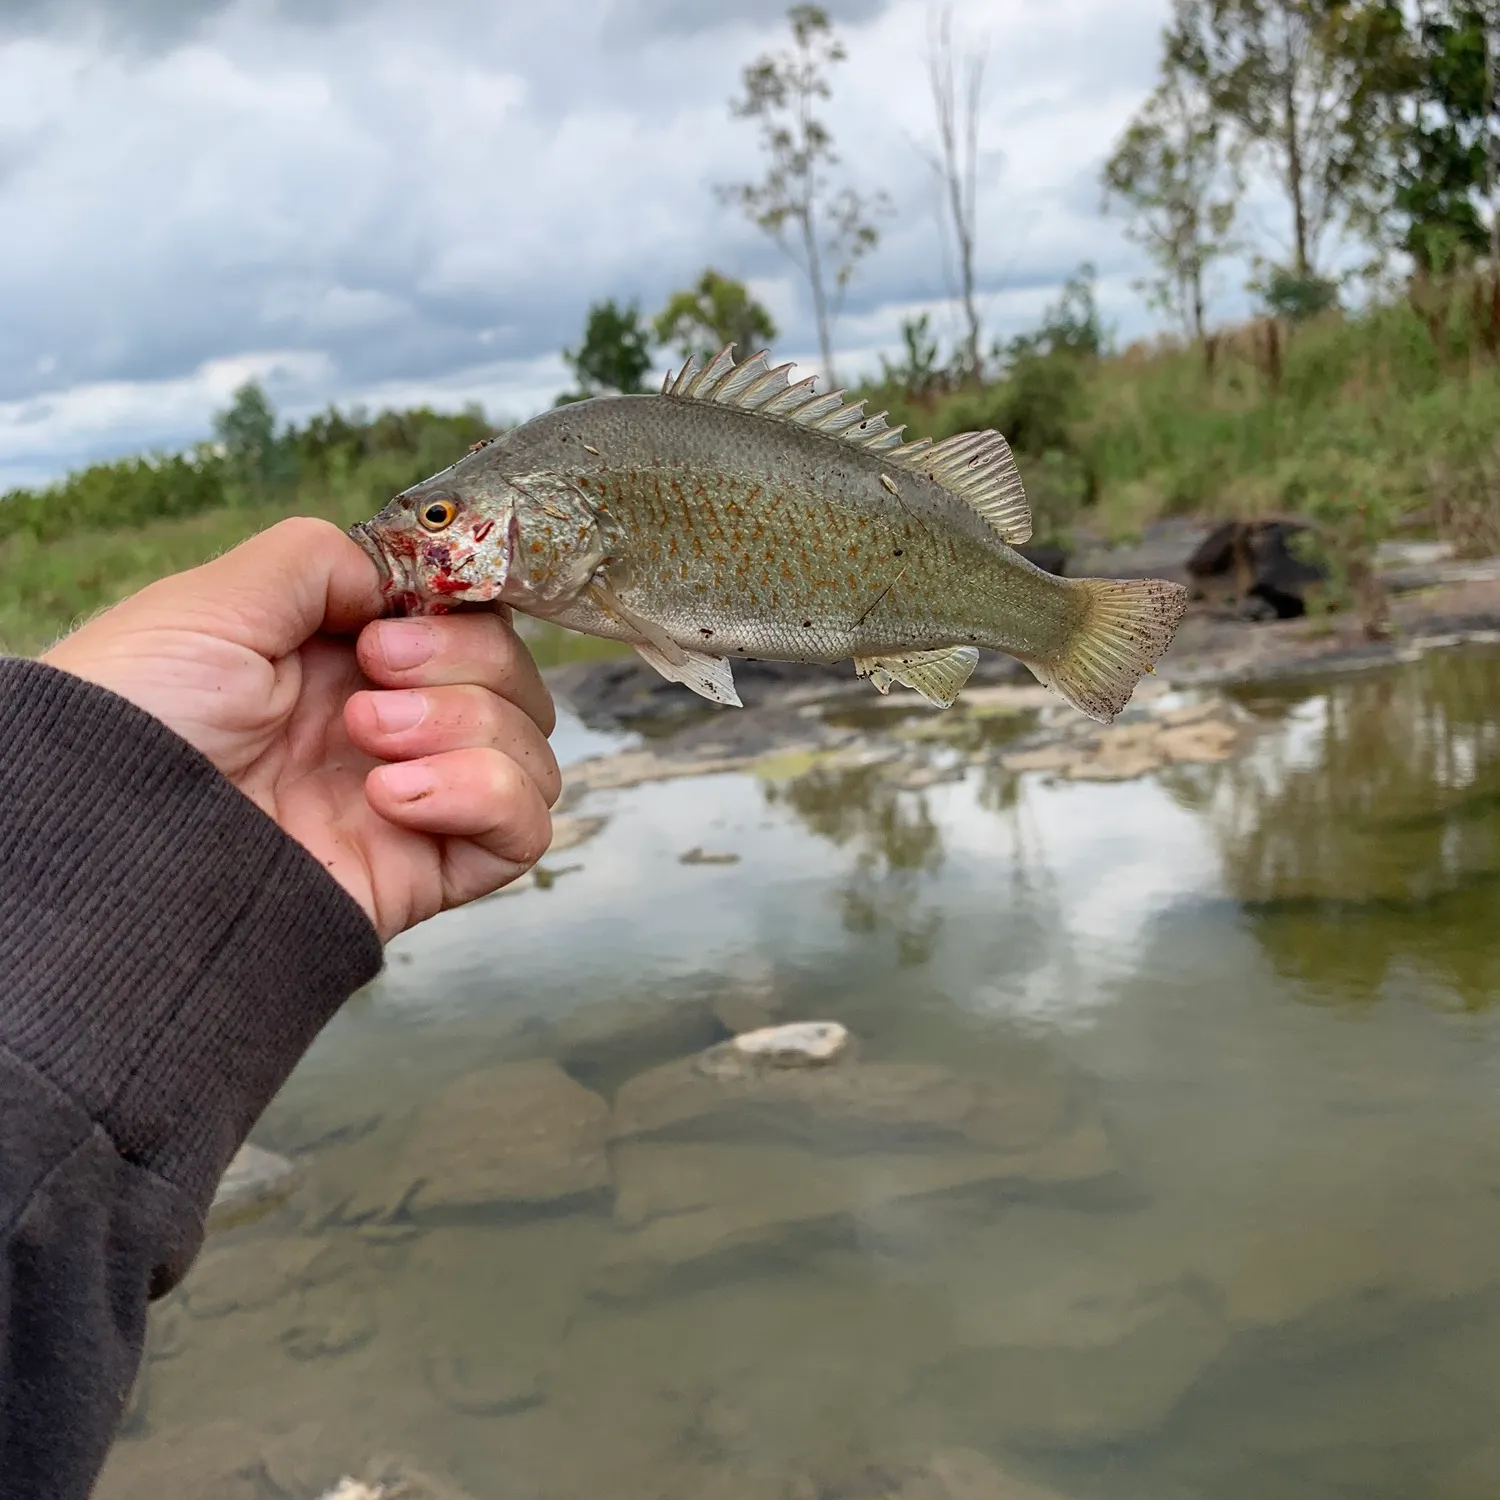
pixel 710 677
pixel 938 676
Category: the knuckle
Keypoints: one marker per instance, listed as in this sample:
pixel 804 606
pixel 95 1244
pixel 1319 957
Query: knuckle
pixel 533 833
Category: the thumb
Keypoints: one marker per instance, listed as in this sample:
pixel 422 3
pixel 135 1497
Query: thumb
pixel 283 585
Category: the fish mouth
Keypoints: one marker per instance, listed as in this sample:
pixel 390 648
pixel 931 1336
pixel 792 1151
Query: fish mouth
pixel 392 584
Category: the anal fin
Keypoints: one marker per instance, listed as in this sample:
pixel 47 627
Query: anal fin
pixel 939 676
pixel 710 677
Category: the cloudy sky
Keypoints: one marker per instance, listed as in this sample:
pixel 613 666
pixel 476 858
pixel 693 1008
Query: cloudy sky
pixel 387 201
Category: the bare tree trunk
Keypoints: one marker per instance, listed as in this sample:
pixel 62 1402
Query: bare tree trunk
pixel 957 108
pixel 1489 134
pixel 820 300
pixel 808 218
pixel 1294 181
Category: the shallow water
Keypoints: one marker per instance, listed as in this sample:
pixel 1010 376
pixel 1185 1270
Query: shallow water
pixel 1225 1222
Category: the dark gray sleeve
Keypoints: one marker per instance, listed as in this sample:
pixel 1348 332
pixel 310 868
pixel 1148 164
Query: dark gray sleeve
pixel 167 955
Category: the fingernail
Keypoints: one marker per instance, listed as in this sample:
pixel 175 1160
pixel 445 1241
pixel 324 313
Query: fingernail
pixel 408 780
pixel 397 711
pixel 405 643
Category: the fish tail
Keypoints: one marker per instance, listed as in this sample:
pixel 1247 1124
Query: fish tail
pixel 1126 626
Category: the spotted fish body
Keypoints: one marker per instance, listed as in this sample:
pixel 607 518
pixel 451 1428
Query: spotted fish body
pixel 737 515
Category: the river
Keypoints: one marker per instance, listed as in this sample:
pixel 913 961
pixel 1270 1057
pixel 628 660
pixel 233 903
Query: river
pixel 1166 1162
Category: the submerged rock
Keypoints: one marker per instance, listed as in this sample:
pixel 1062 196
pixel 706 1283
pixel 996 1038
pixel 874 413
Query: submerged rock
pixel 721 1153
pixel 255 1182
pixel 952 1474
pixel 209 1461
pixel 796 1045
pixel 487 1311
pixel 1092 1334
pixel 480 1391
pixel 867 1105
pixel 1385 1230
pixel 686 1203
pixel 1093 1392
pixel 520 1134
pixel 327 1325
pixel 604 1044
pixel 244 1277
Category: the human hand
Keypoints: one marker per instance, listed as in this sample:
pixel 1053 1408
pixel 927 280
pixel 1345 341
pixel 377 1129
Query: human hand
pixel 250 659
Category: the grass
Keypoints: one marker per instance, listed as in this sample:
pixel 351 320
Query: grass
pixel 47 588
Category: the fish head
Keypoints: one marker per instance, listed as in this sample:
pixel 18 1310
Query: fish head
pixel 443 543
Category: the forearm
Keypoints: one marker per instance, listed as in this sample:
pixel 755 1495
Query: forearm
pixel 167 955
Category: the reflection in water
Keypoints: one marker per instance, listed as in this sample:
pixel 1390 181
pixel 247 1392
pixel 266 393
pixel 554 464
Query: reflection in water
pixel 896 842
pixel 1365 844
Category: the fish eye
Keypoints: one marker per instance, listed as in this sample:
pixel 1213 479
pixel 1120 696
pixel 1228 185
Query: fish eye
pixel 437 514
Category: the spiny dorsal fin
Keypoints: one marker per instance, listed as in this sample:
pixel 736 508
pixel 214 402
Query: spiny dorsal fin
pixel 976 467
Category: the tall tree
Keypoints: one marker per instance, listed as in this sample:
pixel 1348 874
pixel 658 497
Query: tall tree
pixel 1178 181
pixel 826 230
pixel 1288 76
pixel 255 458
pixel 615 353
pixel 955 76
pixel 719 310
pixel 1445 176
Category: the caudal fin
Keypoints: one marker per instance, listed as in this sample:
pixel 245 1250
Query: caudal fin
pixel 1126 628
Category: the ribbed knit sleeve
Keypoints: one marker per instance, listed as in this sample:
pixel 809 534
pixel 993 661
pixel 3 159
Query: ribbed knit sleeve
pixel 167 955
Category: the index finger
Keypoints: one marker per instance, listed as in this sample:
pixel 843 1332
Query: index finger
pixel 441 650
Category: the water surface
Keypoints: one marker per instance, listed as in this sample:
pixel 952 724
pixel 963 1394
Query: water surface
pixel 1236 1233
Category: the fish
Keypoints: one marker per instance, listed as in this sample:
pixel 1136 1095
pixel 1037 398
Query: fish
pixel 736 514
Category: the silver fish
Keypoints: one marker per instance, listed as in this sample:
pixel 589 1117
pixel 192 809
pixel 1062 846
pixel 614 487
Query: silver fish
pixel 738 515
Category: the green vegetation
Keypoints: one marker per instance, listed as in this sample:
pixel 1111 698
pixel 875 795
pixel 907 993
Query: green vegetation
pixel 614 356
pixel 71 548
pixel 717 311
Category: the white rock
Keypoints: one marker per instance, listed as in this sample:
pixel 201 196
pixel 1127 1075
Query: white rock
pixel 799 1044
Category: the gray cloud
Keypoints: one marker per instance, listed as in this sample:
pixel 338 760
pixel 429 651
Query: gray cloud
pixel 148 24
pixel 643 19
pixel 388 200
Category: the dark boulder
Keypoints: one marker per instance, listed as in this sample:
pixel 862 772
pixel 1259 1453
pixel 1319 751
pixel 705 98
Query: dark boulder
pixel 1258 566
pixel 1048 556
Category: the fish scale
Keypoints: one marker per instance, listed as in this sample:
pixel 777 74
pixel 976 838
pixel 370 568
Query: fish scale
pixel 739 515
